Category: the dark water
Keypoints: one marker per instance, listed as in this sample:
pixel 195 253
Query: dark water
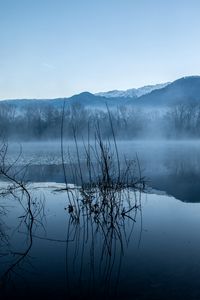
pixel 154 253
pixel 154 257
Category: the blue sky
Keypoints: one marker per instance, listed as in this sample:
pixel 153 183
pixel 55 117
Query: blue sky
pixel 56 48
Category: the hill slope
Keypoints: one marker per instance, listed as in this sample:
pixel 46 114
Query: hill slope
pixel 184 90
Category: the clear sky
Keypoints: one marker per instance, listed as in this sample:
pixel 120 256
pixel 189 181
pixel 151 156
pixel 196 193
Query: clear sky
pixel 56 48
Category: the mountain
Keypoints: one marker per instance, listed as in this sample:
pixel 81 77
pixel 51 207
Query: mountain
pixel 86 99
pixel 95 100
pixel 132 93
pixel 184 90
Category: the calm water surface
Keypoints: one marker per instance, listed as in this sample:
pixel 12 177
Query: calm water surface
pixel 170 166
pixel 154 254
pixel 156 257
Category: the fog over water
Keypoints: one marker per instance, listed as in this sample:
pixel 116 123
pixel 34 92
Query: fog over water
pixel 106 239
pixel 170 166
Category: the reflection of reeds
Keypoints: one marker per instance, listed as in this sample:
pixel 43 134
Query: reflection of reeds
pixel 31 210
pixel 18 259
pixel 98 237
pixel 100 209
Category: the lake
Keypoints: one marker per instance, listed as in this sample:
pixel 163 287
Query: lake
pixel 151 252
pixel 170 166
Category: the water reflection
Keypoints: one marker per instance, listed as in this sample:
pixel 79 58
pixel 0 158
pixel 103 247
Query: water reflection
pixel 62 256
pixel 93 242
pixel 97 242
pixel 23 213
pixel 170 166
pixel 182 175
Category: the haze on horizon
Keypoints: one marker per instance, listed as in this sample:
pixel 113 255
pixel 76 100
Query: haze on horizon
pixel 57 48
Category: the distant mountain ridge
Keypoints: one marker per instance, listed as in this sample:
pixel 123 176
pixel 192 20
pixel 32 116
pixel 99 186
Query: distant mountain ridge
pixel 132 93
pixel 183 90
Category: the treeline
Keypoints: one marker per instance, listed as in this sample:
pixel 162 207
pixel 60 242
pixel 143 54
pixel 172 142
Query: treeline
pixel 183 121
pixel 36 122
